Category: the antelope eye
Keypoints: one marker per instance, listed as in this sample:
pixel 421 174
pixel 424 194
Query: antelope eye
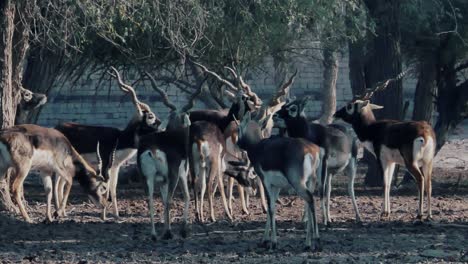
pixel 349 107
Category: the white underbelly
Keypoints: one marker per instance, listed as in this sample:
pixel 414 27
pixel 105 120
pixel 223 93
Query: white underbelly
pixel 46 161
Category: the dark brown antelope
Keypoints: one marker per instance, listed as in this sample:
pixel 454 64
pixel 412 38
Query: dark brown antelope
pixel 162 158
pixel 282 162
pixel 340 148
pixel 26 147
pixel 28 102
pixel 394 142
pixel 115 144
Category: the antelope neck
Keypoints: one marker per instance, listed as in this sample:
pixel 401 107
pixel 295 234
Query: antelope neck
pixel 297 127
pixel 362 124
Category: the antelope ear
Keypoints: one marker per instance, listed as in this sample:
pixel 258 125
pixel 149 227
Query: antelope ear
pixel 375 107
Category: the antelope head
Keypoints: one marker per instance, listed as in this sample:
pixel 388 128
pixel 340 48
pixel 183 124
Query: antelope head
pixel 144 112
pixel 98 186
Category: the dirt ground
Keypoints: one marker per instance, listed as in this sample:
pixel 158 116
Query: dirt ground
pixel 82 237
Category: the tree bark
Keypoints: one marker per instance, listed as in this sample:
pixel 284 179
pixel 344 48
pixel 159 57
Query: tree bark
pixel 7 111
pixel 330 76
pixel 425 89
pixel 42 70
pixel 452 99
pixel 384 62
pixel 424 95
pixel 7 105
pixel 14 43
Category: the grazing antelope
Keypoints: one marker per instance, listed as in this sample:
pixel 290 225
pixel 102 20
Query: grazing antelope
pixel 339 146
pixel 26 147
pixel 282 162
pixel 115 144
pixel 394 142
pixel 162 157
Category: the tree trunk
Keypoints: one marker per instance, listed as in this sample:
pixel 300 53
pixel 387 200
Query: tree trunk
pixel 452 99
pixel 42 70
pixel 330 76
pixel 8 106
pixel 425 90
pixel 384 62
pixel 14 43
pixel 424 95
pixel 7 111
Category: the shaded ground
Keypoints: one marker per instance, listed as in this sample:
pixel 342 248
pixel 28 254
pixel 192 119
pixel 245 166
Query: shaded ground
pixel 83 237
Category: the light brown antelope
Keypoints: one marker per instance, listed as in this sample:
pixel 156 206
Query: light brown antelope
pixel 26 147
pixel 393 142
pixel 280 163
pixel 207 158
pixel 340 148
pixel 115 144
pixel 162 158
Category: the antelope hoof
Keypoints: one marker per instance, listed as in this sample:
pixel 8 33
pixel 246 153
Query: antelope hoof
pixel 56 215
pixel 154 237
pixel 419 217
pixel 385 215
pixel 429 218
pixel 246 212
pixel 185 231
pixel 316 245
pixel 48 221
pixel 265 244
pixel 273 245
pixel 103 216
pixel 167 235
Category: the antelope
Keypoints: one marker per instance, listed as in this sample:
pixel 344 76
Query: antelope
pixel 26 147
pixel 409 143
pixel 162 157
pixel 28 102
pixel 207 156
pixel 248 101
pixel 282 162
pixel 340 148
pixel 115 144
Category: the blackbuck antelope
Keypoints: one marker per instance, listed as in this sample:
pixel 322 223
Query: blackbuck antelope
pixel 282 162
pixel 207 158
pixel 115 144
pixel 340 148
pixel 26 147
pixel 163 157
pixel 247 101
pixel 394 142
pixel 28 102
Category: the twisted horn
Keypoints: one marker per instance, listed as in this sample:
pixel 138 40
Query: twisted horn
pixel 190 102
pixel 99 159
pixel 163 94
pixel 128 89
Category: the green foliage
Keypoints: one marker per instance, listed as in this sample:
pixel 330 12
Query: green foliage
pixel 219 32
pixel 426 25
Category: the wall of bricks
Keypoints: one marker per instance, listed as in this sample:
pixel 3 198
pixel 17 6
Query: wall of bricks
pixel 89 102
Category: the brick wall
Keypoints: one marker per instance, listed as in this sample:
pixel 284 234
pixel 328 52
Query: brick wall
pixel 89 103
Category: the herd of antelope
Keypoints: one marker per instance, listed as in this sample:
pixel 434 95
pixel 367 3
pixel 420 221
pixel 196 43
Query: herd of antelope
pixel 198 147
